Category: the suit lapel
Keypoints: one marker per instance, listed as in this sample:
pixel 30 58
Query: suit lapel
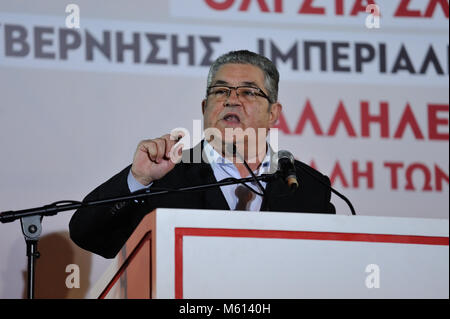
pixel 213 197
pixel 203 174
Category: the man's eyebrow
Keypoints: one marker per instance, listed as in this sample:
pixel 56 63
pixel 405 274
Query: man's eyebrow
pixel 220 82
pixel 250 83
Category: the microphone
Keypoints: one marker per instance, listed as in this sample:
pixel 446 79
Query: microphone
pixel 287 169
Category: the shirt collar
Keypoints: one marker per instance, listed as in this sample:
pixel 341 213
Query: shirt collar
pixel 214 158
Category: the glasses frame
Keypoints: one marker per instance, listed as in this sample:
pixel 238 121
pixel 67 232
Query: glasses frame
pixel 259 93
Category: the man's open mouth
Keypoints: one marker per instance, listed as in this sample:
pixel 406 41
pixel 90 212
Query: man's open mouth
pixel 232 118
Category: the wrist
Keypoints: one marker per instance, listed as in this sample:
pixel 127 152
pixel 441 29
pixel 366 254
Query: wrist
pixel 140 179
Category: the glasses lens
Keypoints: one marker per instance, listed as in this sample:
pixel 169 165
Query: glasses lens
pixel 219 92
pixel 247 93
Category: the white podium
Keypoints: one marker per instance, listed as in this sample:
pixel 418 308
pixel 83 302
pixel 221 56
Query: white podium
pixel 227 254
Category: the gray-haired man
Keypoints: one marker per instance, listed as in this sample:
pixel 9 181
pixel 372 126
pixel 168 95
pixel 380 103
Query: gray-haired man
pixel 240 108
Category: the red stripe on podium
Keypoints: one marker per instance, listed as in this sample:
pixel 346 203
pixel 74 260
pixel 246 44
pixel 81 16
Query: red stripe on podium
pixel 281 234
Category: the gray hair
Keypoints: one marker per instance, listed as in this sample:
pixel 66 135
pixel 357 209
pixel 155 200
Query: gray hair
pixel 271 75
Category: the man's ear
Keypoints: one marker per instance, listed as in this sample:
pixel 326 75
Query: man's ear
pixel 275 111
pixel 203 106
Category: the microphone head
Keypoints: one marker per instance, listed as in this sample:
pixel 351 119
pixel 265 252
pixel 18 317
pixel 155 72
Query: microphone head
pixel 283 154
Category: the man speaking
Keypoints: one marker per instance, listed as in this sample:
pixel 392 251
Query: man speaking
pixel 239 109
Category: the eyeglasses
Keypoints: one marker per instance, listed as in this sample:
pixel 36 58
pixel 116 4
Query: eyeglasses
pixel 244 93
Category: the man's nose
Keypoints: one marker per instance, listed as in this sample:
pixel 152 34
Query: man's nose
pixel 233 98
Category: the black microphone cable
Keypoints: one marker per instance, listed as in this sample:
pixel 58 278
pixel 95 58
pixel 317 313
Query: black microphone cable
pixel 258 183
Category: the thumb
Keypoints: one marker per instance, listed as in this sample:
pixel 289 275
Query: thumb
pixel 176 153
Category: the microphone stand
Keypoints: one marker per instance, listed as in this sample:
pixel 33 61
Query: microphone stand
pixel 31 219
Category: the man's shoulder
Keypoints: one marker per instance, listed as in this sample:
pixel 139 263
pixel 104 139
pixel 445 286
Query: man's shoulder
pixel 306 170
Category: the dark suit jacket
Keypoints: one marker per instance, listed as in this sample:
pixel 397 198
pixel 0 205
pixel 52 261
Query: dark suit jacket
pixel 104 230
